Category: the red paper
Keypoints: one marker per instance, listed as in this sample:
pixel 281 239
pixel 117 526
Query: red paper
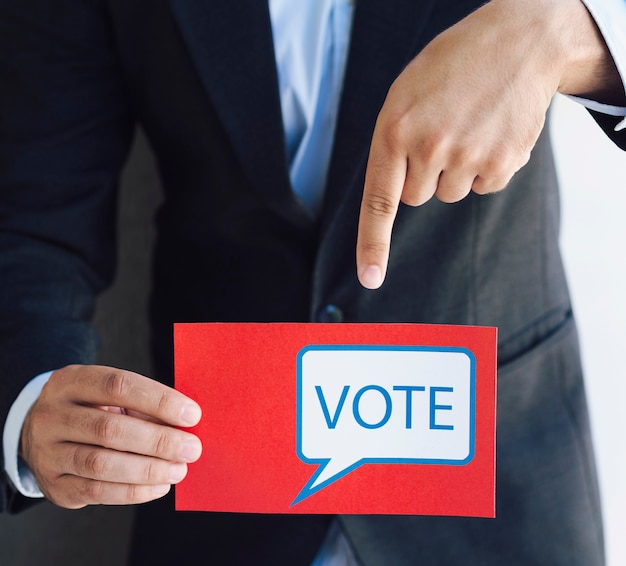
pixel 340 418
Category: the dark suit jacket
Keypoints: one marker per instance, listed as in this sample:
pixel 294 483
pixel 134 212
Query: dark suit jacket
pixel 235 244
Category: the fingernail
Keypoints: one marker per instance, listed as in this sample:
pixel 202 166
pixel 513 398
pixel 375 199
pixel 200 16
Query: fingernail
pixel 177 472
pixel 190 451
pixel 371 277
pixel 191 414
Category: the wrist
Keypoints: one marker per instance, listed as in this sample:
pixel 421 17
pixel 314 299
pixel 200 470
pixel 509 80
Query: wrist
pixel 588 68
pixel 15 468
pixel 558 44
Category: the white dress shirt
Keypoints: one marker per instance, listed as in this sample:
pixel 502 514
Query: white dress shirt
pixel 311 46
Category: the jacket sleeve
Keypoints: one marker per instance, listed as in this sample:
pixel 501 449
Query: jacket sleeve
pixel 608 124
pixel 65 130
pixel 610 17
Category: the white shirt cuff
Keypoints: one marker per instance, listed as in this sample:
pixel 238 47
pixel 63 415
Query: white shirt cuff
pixel 19 474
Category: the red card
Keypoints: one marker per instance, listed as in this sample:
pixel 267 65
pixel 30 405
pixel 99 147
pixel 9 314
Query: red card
pixel 340 418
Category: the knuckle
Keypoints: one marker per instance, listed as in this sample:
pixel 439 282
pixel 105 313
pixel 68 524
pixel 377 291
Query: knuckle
pixel 34 428
pixel 61 380
pixel 395 129
pixel 70 368
pixel 379 205
pixel 163 403
pixel 402 134
pixel 49 487
pixel 71 460
pixel 152 474
pixel 374 248
pixel 162 444
pixel 60 374
pixel 64 491
pixel 95 491
pixel 107 429
pixel 431 148
pixel 117 385
pixel 496 166
pixel 467 157
pixel 66 502
pixel 96 464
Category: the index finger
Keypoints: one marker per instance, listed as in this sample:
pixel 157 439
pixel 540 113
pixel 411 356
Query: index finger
pixel 384 182
pixel 100 385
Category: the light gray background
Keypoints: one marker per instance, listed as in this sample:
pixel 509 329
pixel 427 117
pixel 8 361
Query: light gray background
pixel 592 173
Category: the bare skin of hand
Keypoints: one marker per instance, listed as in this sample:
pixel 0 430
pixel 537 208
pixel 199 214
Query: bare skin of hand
pixel 466 112
pixel 99 435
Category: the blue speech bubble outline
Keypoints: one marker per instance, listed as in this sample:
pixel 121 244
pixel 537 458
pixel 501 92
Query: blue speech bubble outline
pixel 306 491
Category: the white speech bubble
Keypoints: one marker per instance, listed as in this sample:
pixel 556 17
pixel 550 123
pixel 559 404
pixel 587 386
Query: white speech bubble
pixel 383 405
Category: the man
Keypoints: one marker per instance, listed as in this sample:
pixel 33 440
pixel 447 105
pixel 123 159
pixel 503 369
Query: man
pixel 445 114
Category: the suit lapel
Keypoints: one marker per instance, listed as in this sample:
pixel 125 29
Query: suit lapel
pixel 231 45
pixel 385 36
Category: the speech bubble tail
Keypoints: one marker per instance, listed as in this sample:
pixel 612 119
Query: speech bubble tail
pixel 329 471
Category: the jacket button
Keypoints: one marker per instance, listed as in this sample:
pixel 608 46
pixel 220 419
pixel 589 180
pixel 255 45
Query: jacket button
pixel 330 313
